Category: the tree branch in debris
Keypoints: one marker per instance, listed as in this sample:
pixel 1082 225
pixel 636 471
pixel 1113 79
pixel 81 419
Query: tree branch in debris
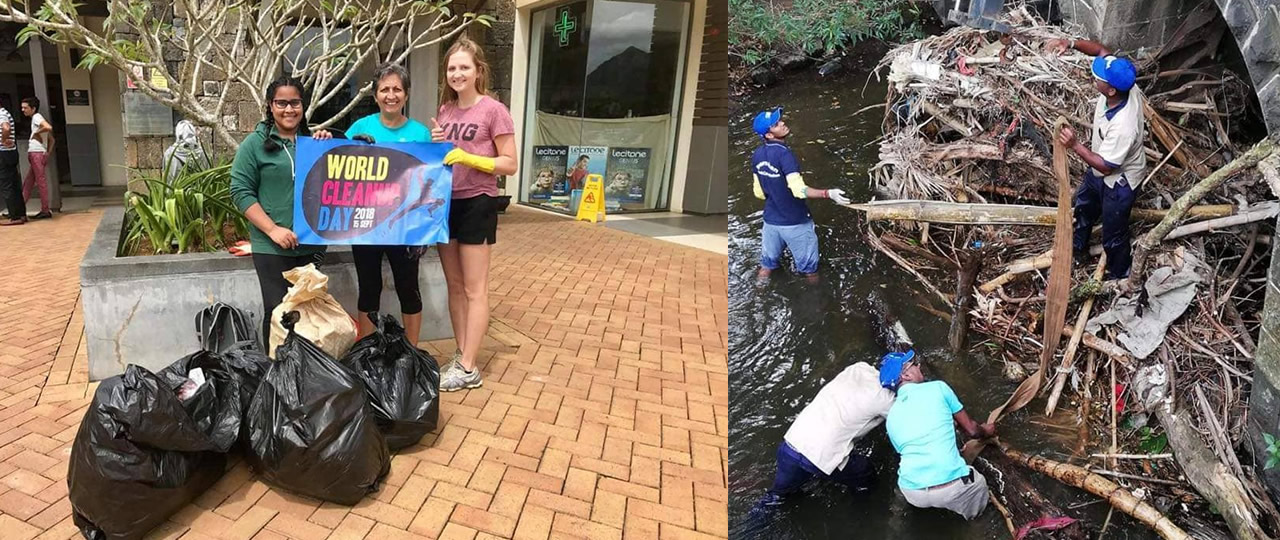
pixel 1120 498
pixel 1152 239
pixel 1003 214
pixel 1208 475
pixel 1078 332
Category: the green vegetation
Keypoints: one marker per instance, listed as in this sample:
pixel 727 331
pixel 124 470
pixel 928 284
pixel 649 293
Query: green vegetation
pixel 762 29
pixel 192 212
pixel 1273 450
pixel 1151 443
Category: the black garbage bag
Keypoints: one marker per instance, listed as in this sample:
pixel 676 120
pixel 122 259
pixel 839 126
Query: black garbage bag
pixel 223 327
pixel 143 452
pixel 402 381
pixel 241 368
pixel 310 426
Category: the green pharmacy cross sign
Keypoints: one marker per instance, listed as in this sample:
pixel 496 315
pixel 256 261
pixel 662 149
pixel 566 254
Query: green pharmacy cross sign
pixel 565 25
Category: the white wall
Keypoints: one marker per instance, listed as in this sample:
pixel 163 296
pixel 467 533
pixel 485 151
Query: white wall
pixel 74 79
pixel 104 96
pixel 684 133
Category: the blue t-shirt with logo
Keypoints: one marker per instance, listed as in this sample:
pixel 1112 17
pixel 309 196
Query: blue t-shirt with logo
pixel 771 163
pixel 411 131
pixel 922 429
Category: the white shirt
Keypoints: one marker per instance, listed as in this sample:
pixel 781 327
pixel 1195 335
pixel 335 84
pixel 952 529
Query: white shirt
pixel 6 118
pixel 36 144
pixel 844 410
pixel 1118 140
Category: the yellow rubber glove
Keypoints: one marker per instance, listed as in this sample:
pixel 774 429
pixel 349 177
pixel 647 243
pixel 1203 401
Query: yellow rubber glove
pixel 479 163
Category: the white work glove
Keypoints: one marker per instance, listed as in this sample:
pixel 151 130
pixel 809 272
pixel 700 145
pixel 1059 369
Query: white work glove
pixel 837 195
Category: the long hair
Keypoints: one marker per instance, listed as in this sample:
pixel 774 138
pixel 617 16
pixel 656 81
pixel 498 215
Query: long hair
pixel 283 81
pixel 464 44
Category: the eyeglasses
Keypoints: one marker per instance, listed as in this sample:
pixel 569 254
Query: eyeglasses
pixel 287 103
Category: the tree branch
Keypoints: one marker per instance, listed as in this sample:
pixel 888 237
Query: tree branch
pixel 1152 239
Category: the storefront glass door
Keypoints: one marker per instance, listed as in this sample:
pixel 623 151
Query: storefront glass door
pixel 604 91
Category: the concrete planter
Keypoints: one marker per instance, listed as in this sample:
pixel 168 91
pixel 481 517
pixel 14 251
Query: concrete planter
pixel 141 310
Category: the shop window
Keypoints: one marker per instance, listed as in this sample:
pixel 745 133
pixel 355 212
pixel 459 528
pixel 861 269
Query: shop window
pixel 604 90
pixel 305 49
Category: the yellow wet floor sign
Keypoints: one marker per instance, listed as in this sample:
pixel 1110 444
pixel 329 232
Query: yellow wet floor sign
pixel 592 206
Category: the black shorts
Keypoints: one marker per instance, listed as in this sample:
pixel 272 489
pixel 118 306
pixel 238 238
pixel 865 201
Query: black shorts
pixel 474 220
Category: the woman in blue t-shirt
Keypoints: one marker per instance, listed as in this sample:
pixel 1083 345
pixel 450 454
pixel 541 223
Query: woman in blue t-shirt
pixel 391 91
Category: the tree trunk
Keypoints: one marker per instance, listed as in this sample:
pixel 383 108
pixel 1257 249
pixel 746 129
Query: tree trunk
pixel 1002 214
pixel 1152 239
pixel 1209 476
pixel 1009 483
pixel 968 273
pixel 1119 497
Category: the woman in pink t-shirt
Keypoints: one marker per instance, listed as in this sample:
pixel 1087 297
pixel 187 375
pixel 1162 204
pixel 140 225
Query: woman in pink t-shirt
pixel 481 128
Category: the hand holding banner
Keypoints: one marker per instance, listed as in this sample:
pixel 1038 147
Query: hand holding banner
pixel 362 194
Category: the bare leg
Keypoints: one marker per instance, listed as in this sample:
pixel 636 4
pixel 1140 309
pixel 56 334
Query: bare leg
pixel 412 326
pixel 475 273
pixel 451 261
pixel 364 325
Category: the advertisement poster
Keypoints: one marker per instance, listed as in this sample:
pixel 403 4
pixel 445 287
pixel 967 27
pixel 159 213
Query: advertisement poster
pixel 349 192
pixel 584 160
pixel 548 174
pixel 625 179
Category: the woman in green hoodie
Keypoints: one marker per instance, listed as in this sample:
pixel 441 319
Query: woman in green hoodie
pixel 262 188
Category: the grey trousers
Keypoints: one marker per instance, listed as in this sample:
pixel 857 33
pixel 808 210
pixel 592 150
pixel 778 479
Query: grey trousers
pixel 968 500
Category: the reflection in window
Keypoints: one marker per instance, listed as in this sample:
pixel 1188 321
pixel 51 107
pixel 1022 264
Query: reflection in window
pixel 634 54
pixel 306 48
pixel 564 55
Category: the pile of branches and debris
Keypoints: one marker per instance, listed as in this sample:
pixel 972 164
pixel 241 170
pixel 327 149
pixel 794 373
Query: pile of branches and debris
pixel 1152 374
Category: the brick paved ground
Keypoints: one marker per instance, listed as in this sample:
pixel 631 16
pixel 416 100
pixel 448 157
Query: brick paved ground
pixel 603 415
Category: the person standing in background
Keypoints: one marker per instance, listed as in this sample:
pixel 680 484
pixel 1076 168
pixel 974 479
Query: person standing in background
pixel 10 184
pixel 38 150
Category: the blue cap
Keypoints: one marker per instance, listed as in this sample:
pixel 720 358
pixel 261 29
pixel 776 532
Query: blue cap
pixel 766 120
pixel 1116 71
pixel 891 367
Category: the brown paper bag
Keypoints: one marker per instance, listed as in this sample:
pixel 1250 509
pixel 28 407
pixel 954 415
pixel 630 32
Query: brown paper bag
pixel 323 320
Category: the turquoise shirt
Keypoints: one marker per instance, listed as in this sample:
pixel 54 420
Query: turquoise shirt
pixel 922 430
pixel 411 131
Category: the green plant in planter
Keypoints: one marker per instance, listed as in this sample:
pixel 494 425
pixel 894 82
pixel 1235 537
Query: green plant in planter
pixel 189 213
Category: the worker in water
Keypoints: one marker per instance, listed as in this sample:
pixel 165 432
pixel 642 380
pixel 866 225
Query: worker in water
pixel 1116 158
pixel 820 443
pixel 921 426
pixel 777 180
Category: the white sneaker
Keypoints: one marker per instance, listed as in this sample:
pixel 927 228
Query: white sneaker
pixel 459 379
pixel 455 362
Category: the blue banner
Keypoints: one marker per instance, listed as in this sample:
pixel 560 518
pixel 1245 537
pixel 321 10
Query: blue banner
pixel 350 192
